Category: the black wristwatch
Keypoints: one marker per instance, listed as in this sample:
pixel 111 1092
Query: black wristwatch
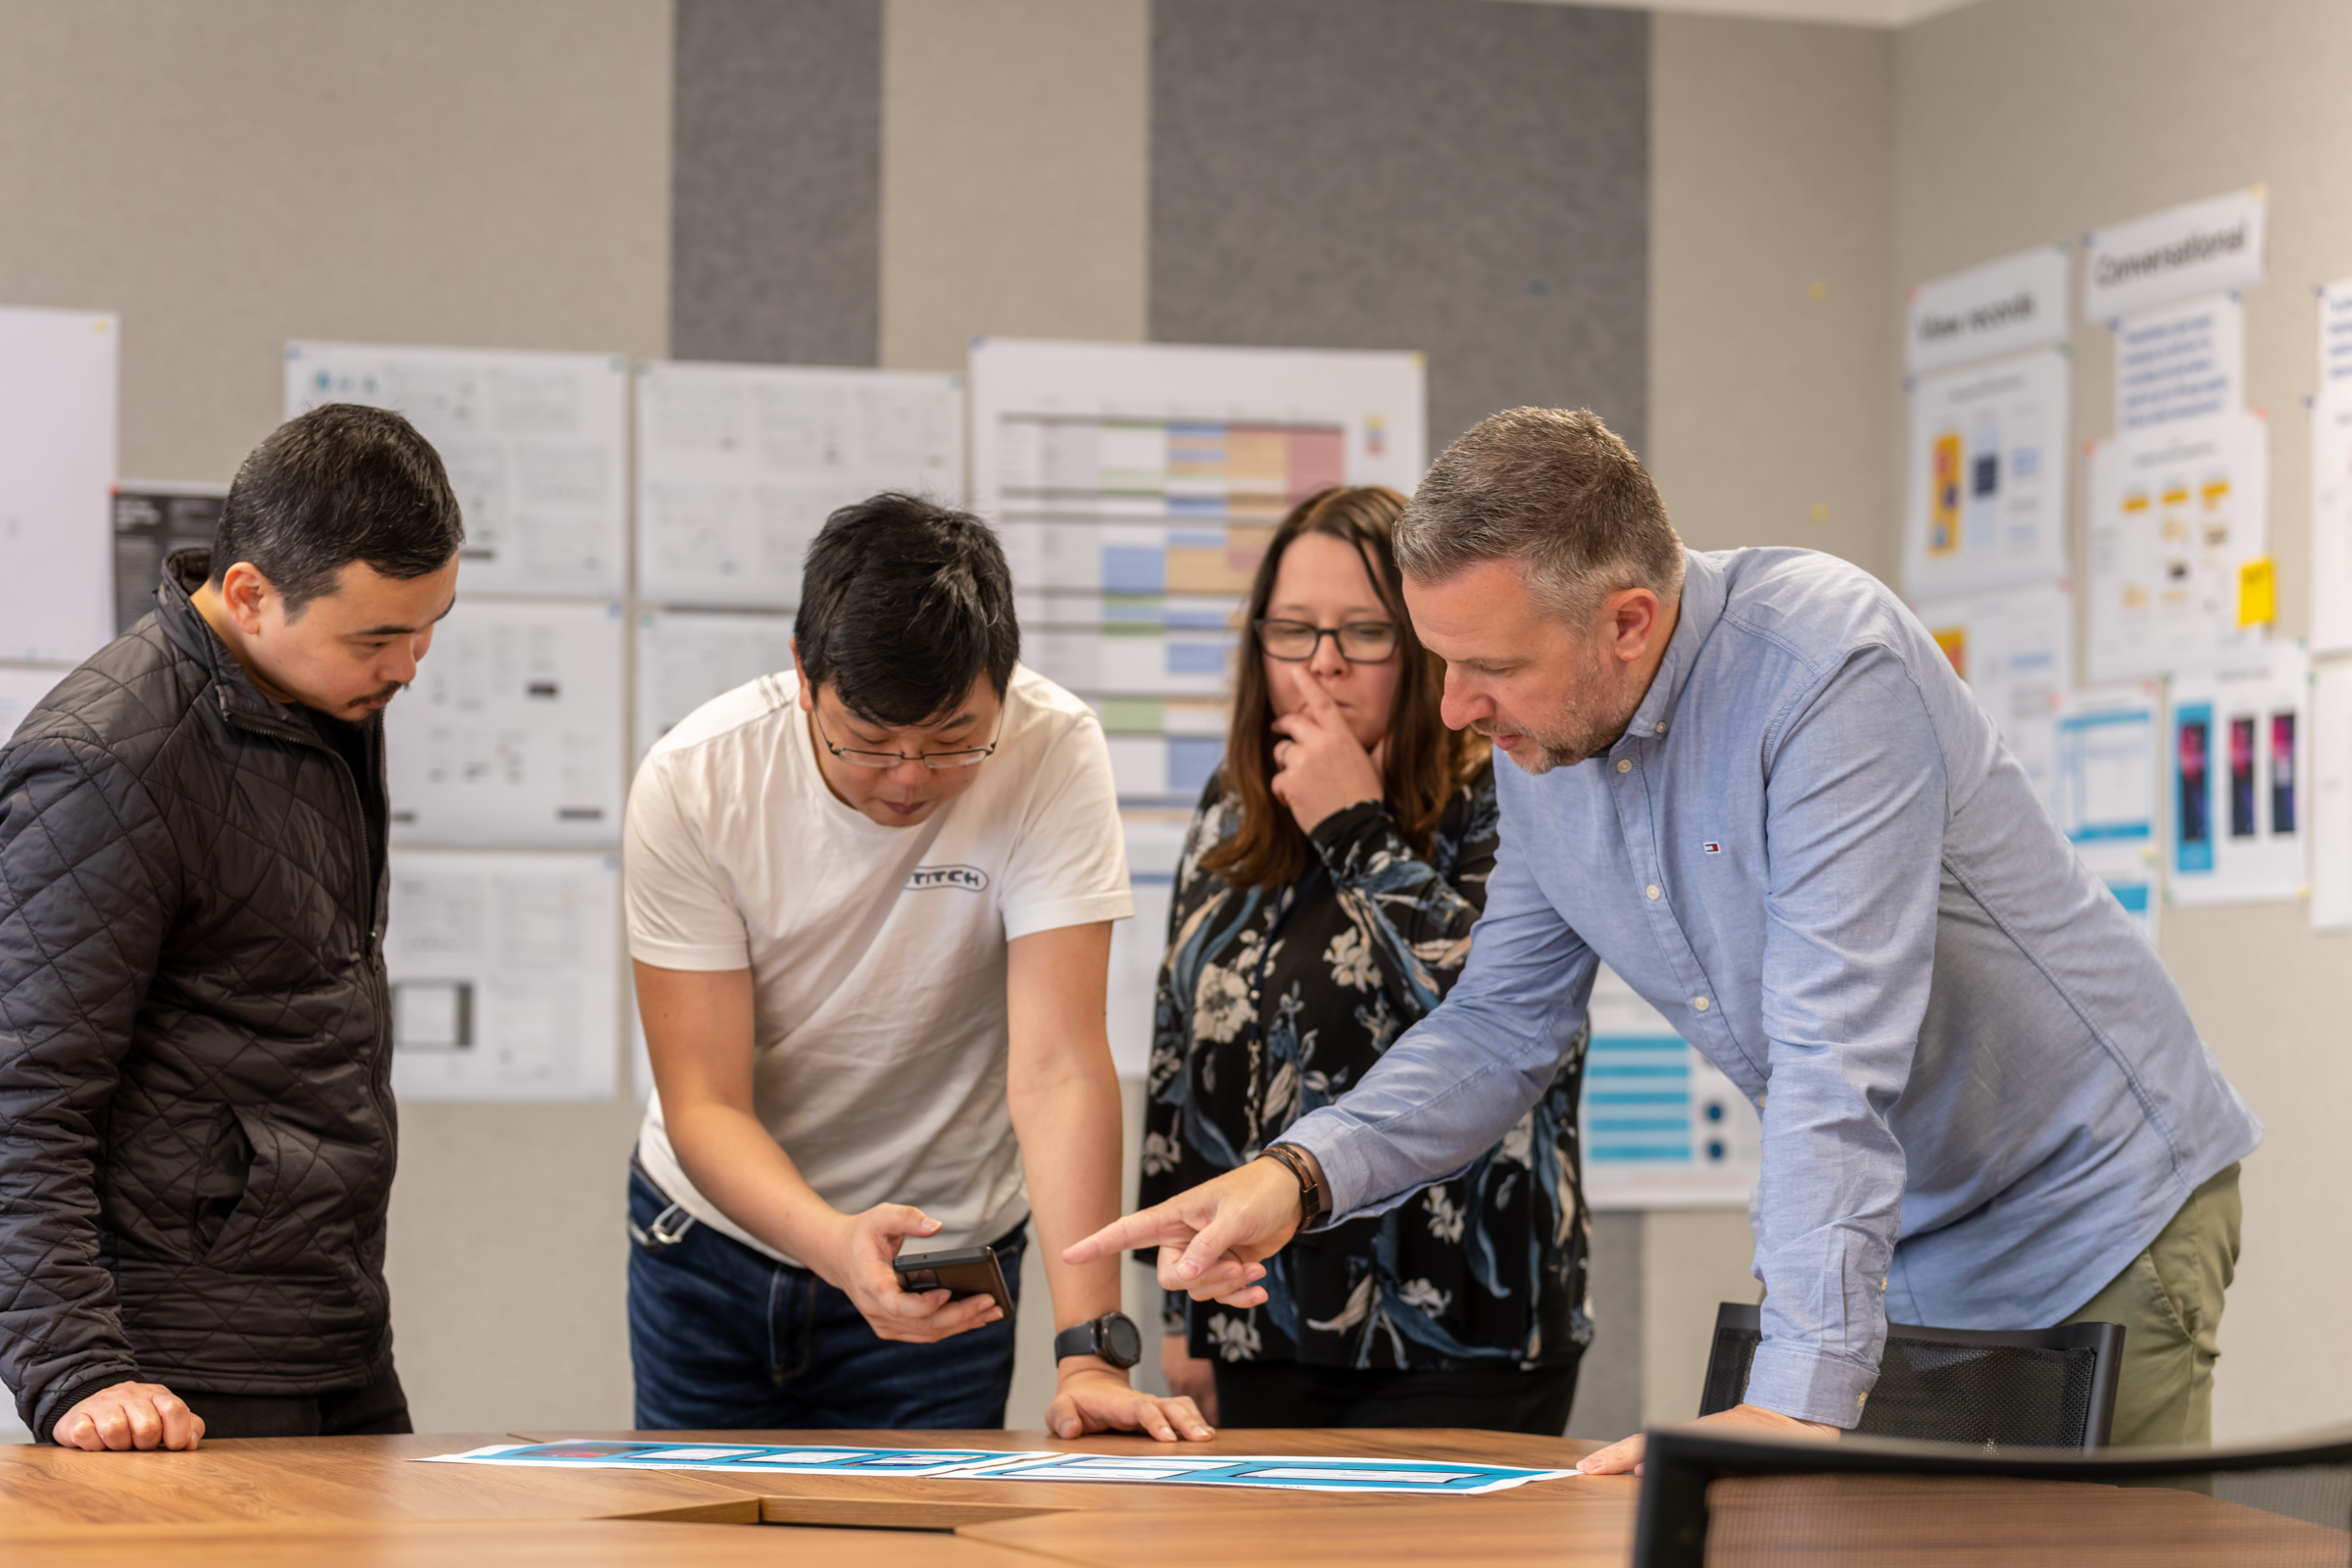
pixel 1113 1336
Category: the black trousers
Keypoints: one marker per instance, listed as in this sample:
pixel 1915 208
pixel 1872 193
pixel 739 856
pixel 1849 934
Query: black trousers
pixel 374 1408
pixel 1284 1393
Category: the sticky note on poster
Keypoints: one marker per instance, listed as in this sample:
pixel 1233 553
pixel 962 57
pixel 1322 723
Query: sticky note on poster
pixel 2257 593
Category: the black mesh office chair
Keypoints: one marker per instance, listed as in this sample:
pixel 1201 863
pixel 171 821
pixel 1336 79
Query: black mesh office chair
pixel 1743 1502
pixel 2027 1388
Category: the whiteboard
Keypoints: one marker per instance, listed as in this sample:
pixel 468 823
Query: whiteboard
pixel 738 467
pixel 512 733
pixel 536 446
pixel 20 687
pixel 686 657
pixel 57 465
pixel 506 975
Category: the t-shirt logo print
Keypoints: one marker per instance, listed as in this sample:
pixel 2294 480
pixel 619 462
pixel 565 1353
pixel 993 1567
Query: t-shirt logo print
pixel 970 878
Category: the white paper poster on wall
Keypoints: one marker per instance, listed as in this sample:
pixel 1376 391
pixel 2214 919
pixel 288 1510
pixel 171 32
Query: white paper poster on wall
pixel 2332 520
pixel 536 446
pixel 2238 771
pixel 1987 490
pixel 2015 649
pixel 504 975
pixel 20 687
pixel 2183 361
pixel 738 467
pixel 686 657
pixel 1662 1127
pixel 2332 796
pixel 512 733
pixel 2105 791
pixel 56 468
pixel 2196 248
pixel 1154 845
pixel 1999 308
pixel 2178 513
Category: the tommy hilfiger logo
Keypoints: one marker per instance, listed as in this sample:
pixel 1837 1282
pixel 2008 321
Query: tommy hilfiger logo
pixel 970 878
pixel 1711 846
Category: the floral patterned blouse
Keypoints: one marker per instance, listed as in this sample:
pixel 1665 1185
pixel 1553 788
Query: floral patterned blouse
pixel 1275 1001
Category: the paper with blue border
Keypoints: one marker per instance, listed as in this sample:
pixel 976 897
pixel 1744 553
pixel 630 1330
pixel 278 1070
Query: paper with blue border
pixel 756 1459
pixel 1277 1472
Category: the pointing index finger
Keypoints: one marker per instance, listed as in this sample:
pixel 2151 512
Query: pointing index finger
pixel 1148 1227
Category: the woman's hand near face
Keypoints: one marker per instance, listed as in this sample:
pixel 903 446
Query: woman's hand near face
pixel 1319 766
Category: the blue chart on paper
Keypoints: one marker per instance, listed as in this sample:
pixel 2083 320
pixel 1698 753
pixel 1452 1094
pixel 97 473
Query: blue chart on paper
pixel 1285 1472
pixel 744 1456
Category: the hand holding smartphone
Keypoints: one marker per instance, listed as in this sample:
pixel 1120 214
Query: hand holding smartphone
pixel 961 1271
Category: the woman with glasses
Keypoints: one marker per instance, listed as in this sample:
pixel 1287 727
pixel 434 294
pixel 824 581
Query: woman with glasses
pixel 1325 902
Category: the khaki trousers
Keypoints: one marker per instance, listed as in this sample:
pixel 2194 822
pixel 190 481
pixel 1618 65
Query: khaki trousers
pixel 2169 1300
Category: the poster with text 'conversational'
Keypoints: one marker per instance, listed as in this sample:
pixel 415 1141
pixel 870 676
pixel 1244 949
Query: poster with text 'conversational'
pixel 2238 766
pixel 2105 788
pixel 1986 494
pixel 512 734
pixel 536 446
pixel 1662 1127
pixel 505 971
pixel 2179 576
pixel 739 466
pixel 2015 649
pixel 58 376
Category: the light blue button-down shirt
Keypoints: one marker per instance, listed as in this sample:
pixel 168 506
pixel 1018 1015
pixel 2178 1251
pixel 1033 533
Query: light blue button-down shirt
pixel 1981 1093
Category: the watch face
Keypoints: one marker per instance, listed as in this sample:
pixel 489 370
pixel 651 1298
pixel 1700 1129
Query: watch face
pixel 1122 1341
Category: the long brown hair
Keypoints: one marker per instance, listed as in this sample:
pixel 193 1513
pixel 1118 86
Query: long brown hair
pixel 1426 761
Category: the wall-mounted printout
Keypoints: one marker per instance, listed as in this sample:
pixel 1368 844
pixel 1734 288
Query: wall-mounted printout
pixel 22 686
pixel 2197 247
pixel 152 519
pixel 2015 649
pixel 1154 845
pixel 686 657
pixel 1987 492
pixel 57 468
pixel 2331 477
pixel 504 975
pixel 2183 361
pixel 738 467
pixel 2177 513
pixel 536 446
pixel 2332 796
pixel 2104 793
pixel 512 734
pixel 1662 1127
pixel 2018 301
pixel 2238 766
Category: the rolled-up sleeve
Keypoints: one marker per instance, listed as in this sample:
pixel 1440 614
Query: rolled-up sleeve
pixel 1856 807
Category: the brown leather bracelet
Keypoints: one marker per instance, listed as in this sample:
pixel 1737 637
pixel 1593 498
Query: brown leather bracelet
pixel 1313 1201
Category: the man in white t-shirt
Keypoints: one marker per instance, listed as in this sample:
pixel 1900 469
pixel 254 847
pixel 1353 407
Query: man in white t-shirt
pixel 870 907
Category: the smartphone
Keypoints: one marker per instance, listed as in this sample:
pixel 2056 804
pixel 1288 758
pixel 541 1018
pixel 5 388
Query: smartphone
pixel 965 1271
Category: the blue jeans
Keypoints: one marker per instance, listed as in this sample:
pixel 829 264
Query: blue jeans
pixel 726 1338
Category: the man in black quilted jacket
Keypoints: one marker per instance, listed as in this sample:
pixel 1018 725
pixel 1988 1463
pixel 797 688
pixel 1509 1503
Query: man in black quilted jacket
pixel 196 1123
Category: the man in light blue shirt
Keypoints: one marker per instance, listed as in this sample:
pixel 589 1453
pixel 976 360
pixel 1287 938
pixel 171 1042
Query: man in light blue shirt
pixel 1752 785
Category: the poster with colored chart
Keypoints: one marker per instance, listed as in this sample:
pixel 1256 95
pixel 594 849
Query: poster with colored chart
pixel 2238 772
pixel 2103 793
pixel 1987 495
pixel 2179 533
pixel 1662 1128
pixel 2015 649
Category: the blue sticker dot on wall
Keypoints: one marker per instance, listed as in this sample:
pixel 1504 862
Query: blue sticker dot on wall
pixel 1715 1150
pixel 1536 285
pixel 1714 1111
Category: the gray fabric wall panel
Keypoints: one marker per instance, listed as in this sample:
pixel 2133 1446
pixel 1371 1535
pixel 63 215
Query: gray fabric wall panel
pixel 1466 178
pixel 777 193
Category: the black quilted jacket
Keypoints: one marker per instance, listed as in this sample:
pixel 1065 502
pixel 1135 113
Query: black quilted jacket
pixel 196 1123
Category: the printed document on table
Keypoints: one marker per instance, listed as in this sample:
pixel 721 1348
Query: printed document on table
pixel 739 466
pixel 536 446
pixel 2177 514
pixel 2332 796
pixel 1662 1127
pixel 506 977
pixel 1987 495
pixel 512 733
pixel 686 657
pixel 2015 649
pixel 2104 793
pixel 757 1458
pixel 2238 774
pixel 1278 1472
pixel 57 466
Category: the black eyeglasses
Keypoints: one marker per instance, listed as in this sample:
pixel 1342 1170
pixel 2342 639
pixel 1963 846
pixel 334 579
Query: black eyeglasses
pixel 937 761
pixel 1360 642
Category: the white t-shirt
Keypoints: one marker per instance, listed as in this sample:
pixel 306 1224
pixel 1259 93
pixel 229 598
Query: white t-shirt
pixel 877 954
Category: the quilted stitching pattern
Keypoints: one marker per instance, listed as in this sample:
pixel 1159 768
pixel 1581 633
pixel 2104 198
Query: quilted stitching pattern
pixel 196 1122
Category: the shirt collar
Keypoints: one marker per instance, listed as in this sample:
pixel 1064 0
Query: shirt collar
pixel 1705 591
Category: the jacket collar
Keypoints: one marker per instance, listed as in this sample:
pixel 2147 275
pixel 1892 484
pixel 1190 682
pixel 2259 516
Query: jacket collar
pixel 1705 592
pixel 242 701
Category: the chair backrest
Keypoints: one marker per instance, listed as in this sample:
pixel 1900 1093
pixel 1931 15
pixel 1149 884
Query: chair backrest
pixel 2022 1387
pixel 1723 1501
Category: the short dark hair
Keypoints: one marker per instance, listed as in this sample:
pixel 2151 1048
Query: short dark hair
pixel 904 603
pixel 338 484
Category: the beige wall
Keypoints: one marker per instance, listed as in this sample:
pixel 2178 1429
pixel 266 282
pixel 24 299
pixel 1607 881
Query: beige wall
pixel 1771 399
pixel 2022 121
pixel 231 173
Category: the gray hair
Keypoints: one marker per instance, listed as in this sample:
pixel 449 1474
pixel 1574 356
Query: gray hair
pixel 1553 491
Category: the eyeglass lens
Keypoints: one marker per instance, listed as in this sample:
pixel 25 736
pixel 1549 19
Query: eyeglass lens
pixel 1361 642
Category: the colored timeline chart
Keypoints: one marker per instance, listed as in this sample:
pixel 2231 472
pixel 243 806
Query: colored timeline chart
pixel 1662 1127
